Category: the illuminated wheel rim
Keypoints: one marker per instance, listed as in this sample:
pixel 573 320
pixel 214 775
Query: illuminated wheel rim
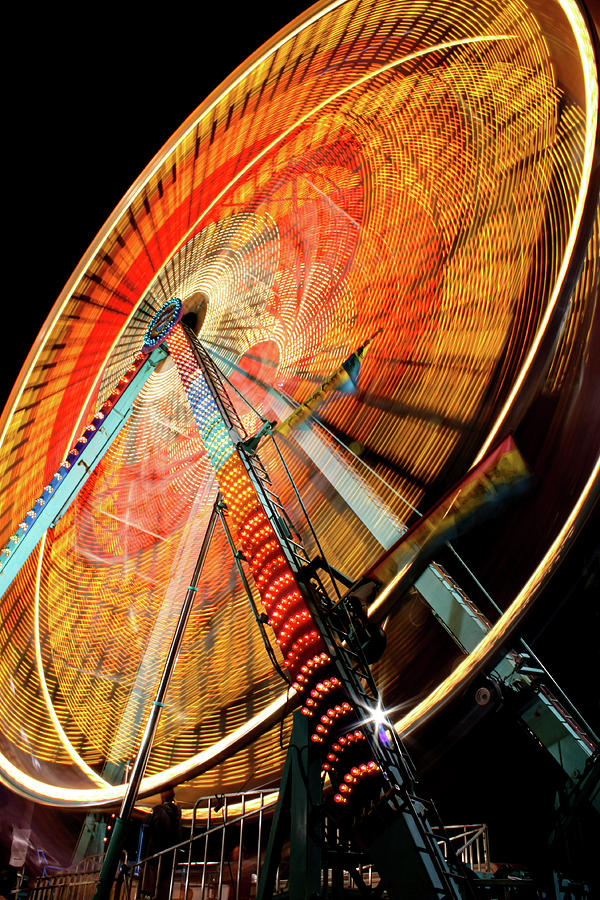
pixel 425 177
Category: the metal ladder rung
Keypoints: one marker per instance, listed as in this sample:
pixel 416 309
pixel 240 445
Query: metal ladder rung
pixel 275 499
pixel 260 472
pixel 300 562
pixel 277 506
pixel 339 632
pixel 299 546
pixel 348 654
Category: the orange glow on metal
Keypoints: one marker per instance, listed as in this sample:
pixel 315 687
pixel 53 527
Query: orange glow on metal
pixel 283 601
pixel 296 632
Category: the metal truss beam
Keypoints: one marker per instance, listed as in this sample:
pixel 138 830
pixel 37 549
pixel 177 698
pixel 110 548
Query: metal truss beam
pixel 76 468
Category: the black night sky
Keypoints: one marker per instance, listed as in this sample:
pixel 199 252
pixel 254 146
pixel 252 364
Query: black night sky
pixel 87 106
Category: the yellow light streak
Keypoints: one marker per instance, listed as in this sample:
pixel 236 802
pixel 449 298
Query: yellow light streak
pixel 590 74
pixel 410 721
pixel 66 743
pixel 79 424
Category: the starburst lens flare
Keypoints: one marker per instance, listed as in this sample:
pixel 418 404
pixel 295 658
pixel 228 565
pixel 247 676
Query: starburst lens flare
pixel 418 172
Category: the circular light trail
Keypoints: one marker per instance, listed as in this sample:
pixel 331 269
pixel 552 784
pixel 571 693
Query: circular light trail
pixel 420 173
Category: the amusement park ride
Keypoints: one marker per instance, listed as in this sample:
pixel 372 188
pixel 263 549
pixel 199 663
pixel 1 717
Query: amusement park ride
pixel 305 319
pixel 323 633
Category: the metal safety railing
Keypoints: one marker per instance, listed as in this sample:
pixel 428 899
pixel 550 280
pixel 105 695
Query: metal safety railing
pixel 220 855
pixel 60 886
pixel 79 881
pixel 470 843
pixel 219 859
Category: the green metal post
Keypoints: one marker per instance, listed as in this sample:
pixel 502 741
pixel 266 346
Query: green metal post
pixel 305 826
pixel 279 827
pixel 298 812
pixel 112 858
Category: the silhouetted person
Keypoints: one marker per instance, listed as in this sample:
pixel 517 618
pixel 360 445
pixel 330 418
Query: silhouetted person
pixel 164 831
pixel 241 890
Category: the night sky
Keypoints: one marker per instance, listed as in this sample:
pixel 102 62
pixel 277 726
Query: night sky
pixel 87 105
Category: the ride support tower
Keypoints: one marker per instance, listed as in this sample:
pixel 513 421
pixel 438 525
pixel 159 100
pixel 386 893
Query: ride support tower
pixel 317 631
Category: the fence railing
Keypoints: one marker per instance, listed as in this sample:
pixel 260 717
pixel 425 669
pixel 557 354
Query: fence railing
pixel 470 843
pixel 220 859
pixel 59 886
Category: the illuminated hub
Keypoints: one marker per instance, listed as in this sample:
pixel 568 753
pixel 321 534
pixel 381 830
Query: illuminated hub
pixel 162 323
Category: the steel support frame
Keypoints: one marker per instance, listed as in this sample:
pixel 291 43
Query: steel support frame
pixel 428 868
pixel 297 815
pixel 73 473
pixel 543 707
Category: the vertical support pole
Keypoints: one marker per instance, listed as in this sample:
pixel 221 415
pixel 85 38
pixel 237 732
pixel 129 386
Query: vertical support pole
pixel 205 858
pixel 299 810
pixel 306 824
pixel 222 857
pixel 121 829
pixel 279 828
pixel 259 838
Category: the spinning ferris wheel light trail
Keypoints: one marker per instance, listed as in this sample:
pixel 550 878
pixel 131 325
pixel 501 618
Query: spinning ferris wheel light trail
pixel 425 176
pixel 316 633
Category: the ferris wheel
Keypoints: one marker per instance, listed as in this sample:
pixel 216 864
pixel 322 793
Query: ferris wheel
pixel 421 181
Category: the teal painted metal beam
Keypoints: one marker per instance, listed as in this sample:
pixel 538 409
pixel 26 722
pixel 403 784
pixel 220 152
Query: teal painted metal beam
pixel 77 467
pixel 457 613
pixel 558 731
pixel 561 731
